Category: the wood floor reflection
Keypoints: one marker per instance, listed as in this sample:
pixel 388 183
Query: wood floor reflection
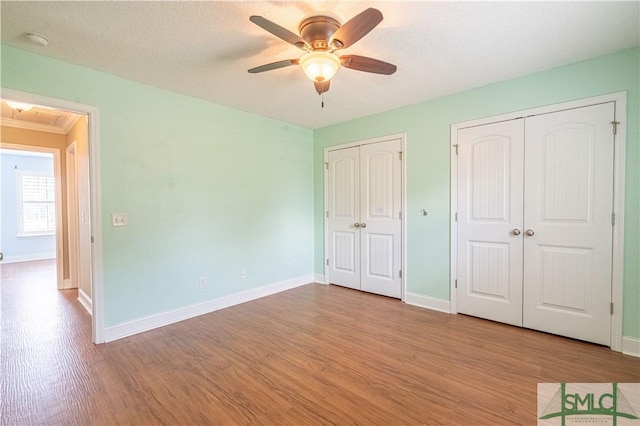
pixel 312 355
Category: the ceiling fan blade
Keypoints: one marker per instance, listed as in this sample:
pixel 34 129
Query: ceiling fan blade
pixel 279 31
pixel 322 87
pixel 356 28
pixel 363 63
pixel 274 65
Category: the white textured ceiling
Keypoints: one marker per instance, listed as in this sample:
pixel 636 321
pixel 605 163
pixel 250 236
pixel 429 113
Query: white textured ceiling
pixel 203 49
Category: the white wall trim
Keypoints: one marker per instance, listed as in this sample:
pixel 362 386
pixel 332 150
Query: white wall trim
pixel 319 278
pixel 93 122
pixel 169 317
pixel 85 301
pixel 631 346
pixel 620 99
pixel 67 283
pixel 432 303
pixel 29 257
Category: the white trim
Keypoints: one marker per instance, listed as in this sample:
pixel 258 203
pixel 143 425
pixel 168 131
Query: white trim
pixel 85 301
pixel 620 99
pixel 29 257
pixel 403 231
pixel 141 325
pixel 67 283
pixel 93 118
pixel 631 346
pixel 319 278
pixel 38 127
pixel 432 303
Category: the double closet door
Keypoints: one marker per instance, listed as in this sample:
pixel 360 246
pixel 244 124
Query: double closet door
pixel 364 217
pixel 535 202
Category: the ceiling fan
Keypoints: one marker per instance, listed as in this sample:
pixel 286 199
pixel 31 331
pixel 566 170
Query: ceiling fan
pixel 320 37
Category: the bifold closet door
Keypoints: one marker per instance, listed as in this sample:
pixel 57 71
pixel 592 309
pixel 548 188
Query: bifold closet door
pixel 344 213
pixel 568 205
pixel 364 217
pixel 535 202
pixel 490 179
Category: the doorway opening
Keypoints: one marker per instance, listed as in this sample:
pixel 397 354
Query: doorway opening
pixel 67 203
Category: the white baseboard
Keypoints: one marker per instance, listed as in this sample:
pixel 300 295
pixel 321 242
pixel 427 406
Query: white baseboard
pixel 318 278
pixel 631 346
pixel 165 318
pixel 85 301
pixel 428 302
pixel 29 257
pixel 67 284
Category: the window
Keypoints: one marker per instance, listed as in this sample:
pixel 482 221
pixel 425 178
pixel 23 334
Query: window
pixel 36 201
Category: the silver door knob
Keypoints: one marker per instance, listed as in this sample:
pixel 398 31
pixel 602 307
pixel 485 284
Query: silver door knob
pixel 357 225
pixel 529 232
pixel 363 225
pixel 515 231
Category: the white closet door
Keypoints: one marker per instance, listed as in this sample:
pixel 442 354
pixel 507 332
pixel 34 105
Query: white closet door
pixel 490 180
pixel 568 205
pixel 344 214
pixel 380 207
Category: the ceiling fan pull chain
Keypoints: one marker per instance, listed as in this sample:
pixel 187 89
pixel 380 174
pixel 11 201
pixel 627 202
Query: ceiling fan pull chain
pixel 322 100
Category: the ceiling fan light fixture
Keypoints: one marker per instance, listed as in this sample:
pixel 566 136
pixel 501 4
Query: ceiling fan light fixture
pixel 320 66
pixel 19 106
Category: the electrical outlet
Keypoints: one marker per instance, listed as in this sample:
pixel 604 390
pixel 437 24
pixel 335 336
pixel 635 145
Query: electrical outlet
pixel 243 274
pixel 203 282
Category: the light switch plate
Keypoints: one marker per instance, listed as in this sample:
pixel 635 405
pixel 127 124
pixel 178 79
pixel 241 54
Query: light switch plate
pixel 119 219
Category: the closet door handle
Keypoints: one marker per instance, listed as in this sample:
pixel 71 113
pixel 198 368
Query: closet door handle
pixel 363 225
pixel 515 231
pixel 529 232
pixel 357 225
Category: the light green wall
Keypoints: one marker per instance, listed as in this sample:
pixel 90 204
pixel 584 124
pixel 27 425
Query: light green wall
pixel 209 190
pixel 427 160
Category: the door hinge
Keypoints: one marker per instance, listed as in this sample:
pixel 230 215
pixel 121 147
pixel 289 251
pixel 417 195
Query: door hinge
pixel 456 148
pixel 399 215
pixel 455 215
pixel 327 262
pixel 456 283
pixel 327 213
pixel 615 126
pixel 613 219
pixel 400 155
pixel 326 166
pixel 400 273
pixel 92 238
pixel 611 309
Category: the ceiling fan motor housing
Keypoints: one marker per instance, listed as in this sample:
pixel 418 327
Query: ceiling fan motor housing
pixel 317 31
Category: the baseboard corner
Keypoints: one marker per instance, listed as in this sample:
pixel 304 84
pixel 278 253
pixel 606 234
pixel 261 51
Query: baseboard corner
pixel 631 346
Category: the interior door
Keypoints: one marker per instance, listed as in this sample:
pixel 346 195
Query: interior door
pixel 381 224
pixel 344 217
pixel 568 237
pixel 490 179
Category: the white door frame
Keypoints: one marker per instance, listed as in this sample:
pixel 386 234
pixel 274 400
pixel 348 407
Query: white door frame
pixel 403 232
pixel 93 117
pixel 57 178
pixel 72 212
pixel 620 99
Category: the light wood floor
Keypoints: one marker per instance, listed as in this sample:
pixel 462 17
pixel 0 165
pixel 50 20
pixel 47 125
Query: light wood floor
pixel 313 355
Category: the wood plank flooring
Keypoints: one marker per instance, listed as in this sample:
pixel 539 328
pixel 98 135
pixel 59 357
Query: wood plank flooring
pixel 313 355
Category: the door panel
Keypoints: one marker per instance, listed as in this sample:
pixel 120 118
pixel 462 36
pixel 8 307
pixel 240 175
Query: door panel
pixel 489 209
pixel 344 213
pixel 568 199
pixel 381 198
pixel 364 224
